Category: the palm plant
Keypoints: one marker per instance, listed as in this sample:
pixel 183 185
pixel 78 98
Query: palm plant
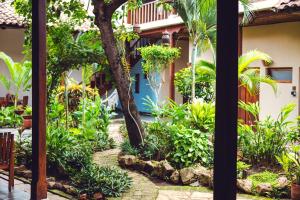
pixel 200 19
pixel 20 76
pixel 248 77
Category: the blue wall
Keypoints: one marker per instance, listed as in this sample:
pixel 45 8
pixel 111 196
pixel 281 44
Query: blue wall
pixel 145 89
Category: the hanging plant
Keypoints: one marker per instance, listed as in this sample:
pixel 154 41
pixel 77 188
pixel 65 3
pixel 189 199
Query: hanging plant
pixel 157 57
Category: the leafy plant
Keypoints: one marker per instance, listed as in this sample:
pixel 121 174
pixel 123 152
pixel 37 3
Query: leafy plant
pixel 28 110
pixel 241 169
pixel 128 149
pixel 265 139
pixel 290 162
pixel 109 181
pixel 8 117
pixel 20 76
pixel 202 116
pixel 263 177
pixel 190 147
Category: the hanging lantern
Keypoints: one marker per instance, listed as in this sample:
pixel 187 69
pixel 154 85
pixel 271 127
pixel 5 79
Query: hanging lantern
pixel 166 38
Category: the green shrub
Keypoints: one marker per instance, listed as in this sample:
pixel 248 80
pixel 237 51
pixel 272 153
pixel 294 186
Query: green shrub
pixel 263 177
pixel 191 147
pixel 241 169
pixel 128 149
pixel 265 139
pixel 8 118
pixel 109 181
pixel 202 116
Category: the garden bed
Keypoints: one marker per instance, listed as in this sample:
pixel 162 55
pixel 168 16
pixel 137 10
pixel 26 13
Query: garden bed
pixel 257 184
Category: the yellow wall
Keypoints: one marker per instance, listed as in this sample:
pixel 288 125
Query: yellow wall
pixel 282 43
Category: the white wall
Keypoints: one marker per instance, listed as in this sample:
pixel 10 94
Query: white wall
pixel 282 43
pixel 11 43
pixel 179 64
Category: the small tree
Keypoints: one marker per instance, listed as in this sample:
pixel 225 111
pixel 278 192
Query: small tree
pixel 20 76
pixel 156 59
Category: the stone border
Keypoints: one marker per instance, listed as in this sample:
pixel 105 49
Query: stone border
pixel 196 176
pixel 53 184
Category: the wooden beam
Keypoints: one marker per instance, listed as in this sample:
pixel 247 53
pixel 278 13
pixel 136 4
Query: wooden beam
pixel 38 184
pixel 226 101
pixel 172 71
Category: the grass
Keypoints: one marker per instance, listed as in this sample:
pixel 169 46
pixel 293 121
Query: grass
pixel 264 177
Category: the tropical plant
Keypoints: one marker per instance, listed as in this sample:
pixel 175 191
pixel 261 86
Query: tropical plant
pixel 204 84
pixel 290 162
pixel 8 117
pixel 155 60
pixel 109 181
pixel 249 77
pixel 20 76
pixel 265 139
pixel 190 147
pixel 199 17
pixel 202 116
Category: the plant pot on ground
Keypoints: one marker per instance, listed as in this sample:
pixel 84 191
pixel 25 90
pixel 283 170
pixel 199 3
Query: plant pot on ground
pixel 295 191
pixel 27 118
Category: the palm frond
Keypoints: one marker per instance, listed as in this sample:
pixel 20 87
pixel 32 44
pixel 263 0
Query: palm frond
pixel 246 59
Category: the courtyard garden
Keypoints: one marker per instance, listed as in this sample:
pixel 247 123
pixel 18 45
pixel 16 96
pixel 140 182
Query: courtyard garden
pixel 89 157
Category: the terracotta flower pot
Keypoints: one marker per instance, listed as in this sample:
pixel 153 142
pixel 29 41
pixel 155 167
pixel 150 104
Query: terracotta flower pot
pixel 295 192
pixel 19 112
pixel 27 121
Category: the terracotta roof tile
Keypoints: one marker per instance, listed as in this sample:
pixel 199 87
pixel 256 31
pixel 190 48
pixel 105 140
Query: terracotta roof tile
pixel 288 5
pixel 8 16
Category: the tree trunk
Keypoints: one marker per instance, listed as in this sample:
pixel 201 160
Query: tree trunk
pixel 194 55
pixel 103 12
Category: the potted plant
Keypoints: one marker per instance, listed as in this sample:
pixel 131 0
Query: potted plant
pixel 27 118
pixel 291 165
pixel 19 110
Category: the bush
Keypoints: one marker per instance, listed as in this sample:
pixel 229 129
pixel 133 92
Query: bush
pixel 8 118
pixel 204 88
pixel 191 147
pixel 109 181
pixel 128 149
pixel 265 139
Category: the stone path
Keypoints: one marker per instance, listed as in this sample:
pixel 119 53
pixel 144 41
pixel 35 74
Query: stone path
pixel 145 189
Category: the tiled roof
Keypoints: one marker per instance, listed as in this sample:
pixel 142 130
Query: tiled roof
pixel 8 16
pixel 288 5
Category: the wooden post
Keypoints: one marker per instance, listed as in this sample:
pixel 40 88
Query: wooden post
pixel 172 71
pixel 226 101
pixel 38 184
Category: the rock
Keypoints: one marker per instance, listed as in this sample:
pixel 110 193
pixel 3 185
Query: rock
pixel 282 182
pixel 51 184
pixel 127 160
pixel 203 175
pixel 166 169
pixel 175 177
pixel 150 166
pixel 264 188
pixel 139 165
pixel 187 175
pixel 27 173
pixel 83 197
pixel 195 184
pixel 98 196
pixel 51 179
pixel 58 186
pixel 244 185
pixel 72 190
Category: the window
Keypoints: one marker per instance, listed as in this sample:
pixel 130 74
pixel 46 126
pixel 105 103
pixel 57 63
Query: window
pixel 281 74
pixel 137 83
